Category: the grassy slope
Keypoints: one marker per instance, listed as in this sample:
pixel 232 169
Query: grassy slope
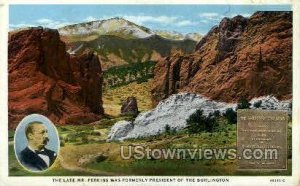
pixel 130 50
pixel 112 98
pixel 181 140
pixel 74 150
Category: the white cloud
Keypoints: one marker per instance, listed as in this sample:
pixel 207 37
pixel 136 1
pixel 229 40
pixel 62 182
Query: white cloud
pixel 186 23
pixel 141 19
pixel 246 15
pixel 164 20
pixel 204 21
pixel 207 17
pixel 242 14
pixel 49 23
pixel 44 21
pixel 209 14
pixel 21 25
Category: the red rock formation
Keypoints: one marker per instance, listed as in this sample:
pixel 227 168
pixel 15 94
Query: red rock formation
pixel 239 58
pixel 44 79
pixel 130 107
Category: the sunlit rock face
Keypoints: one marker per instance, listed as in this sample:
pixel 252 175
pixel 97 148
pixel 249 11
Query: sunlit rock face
pixel 45 79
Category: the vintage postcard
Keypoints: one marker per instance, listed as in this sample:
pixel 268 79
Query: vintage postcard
pixel 168 94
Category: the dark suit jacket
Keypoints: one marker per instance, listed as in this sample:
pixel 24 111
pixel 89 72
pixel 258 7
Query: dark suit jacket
pixel 33 161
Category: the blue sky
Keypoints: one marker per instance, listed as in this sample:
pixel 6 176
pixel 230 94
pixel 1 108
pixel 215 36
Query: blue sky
pixel 180 18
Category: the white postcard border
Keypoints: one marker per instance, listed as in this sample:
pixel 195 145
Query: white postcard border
pixel 233 180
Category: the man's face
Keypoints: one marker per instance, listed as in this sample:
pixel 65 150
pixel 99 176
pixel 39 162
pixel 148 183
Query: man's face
pixel 39 136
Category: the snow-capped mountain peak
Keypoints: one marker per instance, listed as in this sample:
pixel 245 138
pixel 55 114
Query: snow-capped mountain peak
pixel 114 26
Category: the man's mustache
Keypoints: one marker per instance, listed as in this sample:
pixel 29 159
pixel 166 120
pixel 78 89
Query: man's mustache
pixel 46 140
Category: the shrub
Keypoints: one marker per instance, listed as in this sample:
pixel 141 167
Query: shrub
pixel 84 139
pixel 63 129
pixel 217 114
pixel 198 122
pixel 290 105
pixel 95 133
pixel 243 104
pixel 101 158
pixel 62 143
pixel 230 115
pixel 125 74
pixel 168 129
pixel 257 104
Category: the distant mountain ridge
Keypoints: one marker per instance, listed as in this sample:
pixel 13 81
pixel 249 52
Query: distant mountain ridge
pixel 114 26
pixel 178 36
pixel 122 28
pixel 118 41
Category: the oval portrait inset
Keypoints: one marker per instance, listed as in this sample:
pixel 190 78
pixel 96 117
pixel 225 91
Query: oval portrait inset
pixel 36 143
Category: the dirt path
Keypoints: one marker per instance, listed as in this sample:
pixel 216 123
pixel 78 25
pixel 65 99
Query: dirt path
pixel 72 166
pixel 85 170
